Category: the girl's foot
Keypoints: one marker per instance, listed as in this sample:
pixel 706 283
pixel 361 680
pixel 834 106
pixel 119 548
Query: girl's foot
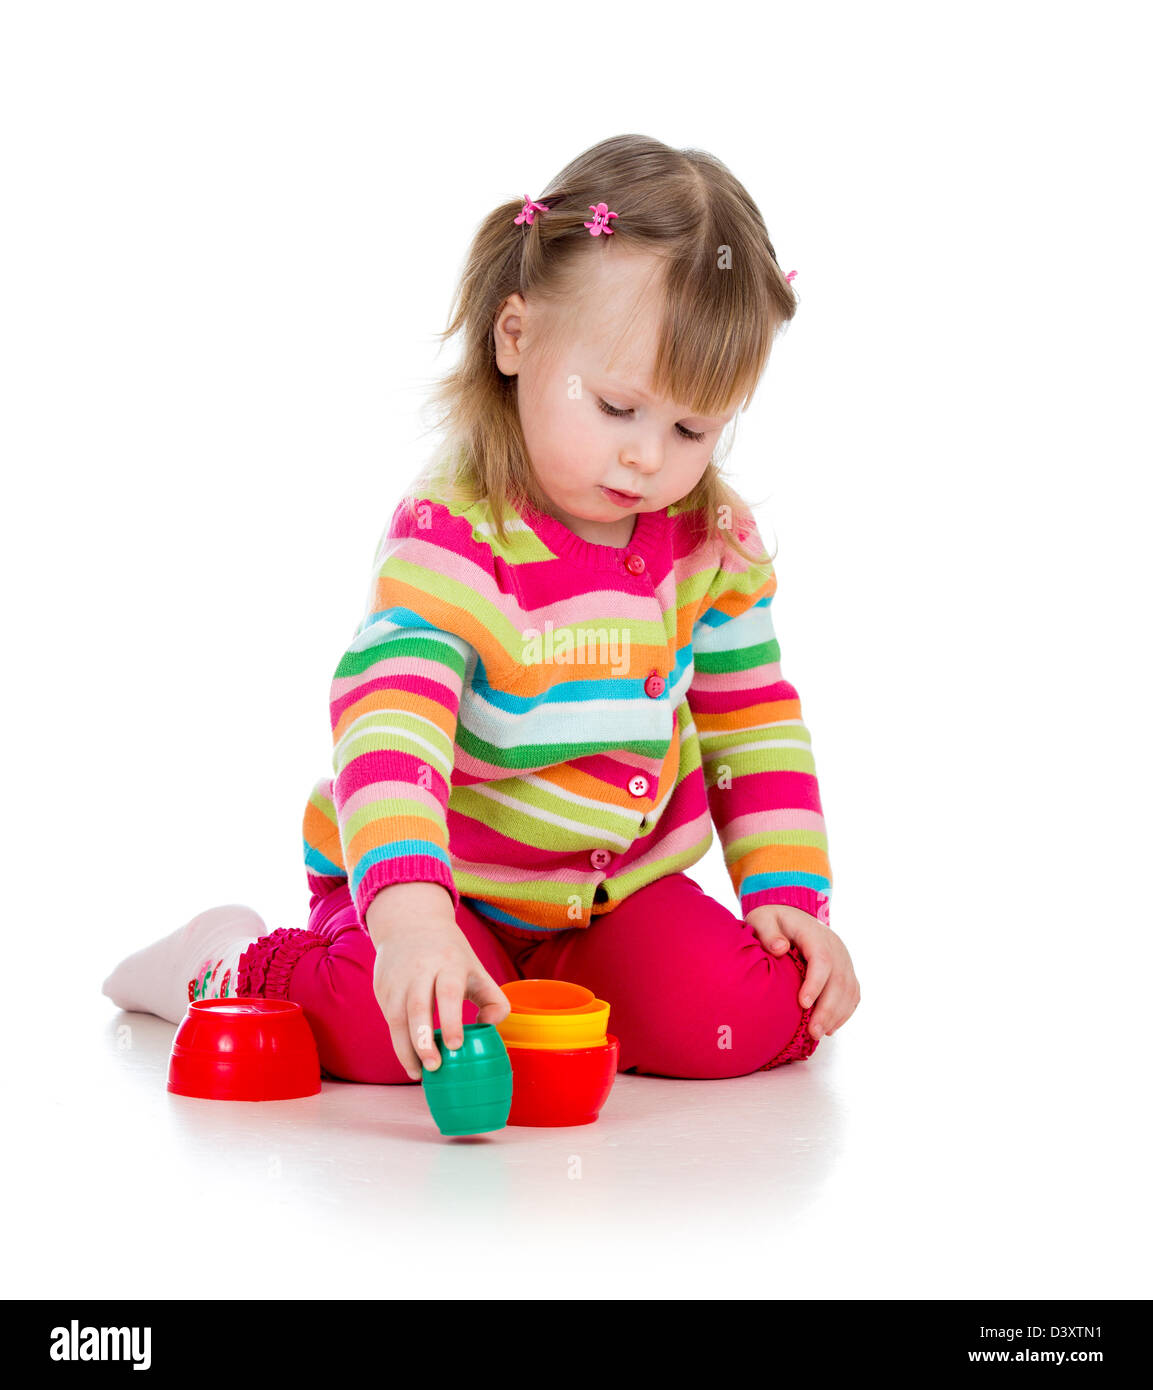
pixel 199 960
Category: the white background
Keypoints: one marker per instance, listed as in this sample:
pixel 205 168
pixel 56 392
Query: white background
pixel 231 233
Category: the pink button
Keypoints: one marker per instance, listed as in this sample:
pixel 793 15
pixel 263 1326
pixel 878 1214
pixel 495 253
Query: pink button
pixel 635 564
pixel 600 858
pixel 654 686
pixel 639 786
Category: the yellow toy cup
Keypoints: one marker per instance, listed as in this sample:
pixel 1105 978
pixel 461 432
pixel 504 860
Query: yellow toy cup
pixel 585 1025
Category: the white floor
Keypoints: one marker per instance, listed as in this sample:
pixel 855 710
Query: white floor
pixel 959 503
pixel 896 1163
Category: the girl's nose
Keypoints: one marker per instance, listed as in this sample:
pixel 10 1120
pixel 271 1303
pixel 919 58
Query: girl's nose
pixel 644 455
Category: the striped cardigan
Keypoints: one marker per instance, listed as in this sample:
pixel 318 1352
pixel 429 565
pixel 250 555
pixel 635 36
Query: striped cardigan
pixel 546 725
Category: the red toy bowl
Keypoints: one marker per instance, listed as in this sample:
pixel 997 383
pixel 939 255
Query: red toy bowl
pixel 244 1049
pixel 561 1086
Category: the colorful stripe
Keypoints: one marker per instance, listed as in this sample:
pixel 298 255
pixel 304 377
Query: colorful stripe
pixel 493 712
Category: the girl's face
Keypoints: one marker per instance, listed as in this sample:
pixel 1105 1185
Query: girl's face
pixel 588 414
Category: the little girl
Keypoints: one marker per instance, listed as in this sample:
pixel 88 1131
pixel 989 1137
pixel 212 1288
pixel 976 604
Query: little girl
pixel 565 675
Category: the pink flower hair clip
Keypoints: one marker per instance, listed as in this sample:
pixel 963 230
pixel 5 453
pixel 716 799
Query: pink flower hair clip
pixel 789 276
pixel 600 222
pixel 529 211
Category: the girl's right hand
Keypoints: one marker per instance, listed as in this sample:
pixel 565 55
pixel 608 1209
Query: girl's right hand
pixel 422 956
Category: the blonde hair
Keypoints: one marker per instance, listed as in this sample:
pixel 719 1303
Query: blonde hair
pixel 719 323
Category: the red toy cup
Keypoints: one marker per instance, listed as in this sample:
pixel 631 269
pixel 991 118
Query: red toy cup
pixel 244 1049
pixel 561 1086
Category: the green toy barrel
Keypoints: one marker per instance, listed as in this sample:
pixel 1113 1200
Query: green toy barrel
pixel 471 1091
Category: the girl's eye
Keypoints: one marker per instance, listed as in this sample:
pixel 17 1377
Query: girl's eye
pixel 684 433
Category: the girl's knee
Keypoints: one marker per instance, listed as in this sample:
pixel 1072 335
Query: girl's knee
pixel 735 1020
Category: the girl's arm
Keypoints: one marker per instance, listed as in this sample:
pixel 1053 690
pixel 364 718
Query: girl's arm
pixel 756 751
pixel 394 705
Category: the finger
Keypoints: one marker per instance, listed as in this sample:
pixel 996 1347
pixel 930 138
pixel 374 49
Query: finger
pixel 401 1043
pixel 816 977
pixel 491 1001
pixel 844 994
pixel 848 1007
pixel 772 938
pixel 449 1000
pixel 419 1013
pixel 827 1013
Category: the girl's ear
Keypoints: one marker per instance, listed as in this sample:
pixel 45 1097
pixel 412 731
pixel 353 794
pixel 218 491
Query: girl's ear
pixel 507 331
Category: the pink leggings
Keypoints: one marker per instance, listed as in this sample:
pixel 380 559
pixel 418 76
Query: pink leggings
pixel 693 993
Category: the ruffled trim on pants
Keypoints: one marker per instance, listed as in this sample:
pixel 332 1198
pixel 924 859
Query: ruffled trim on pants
pixel 802 1044
pixel 266 968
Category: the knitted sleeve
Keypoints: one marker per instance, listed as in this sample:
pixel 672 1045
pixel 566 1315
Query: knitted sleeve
pixel 395 702
pixel 755 749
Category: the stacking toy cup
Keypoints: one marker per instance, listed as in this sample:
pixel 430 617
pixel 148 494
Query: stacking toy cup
pixel 471 1091
pixel 564 1060
pixel 562 1086
pixel 545 996
pixel 584 1026
pixel 244 1049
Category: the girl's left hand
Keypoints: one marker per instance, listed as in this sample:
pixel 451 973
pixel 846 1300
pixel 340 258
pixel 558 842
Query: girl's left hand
pixel 829 979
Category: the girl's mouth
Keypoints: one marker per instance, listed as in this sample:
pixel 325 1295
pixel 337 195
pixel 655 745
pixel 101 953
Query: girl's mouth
pixel 622 499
